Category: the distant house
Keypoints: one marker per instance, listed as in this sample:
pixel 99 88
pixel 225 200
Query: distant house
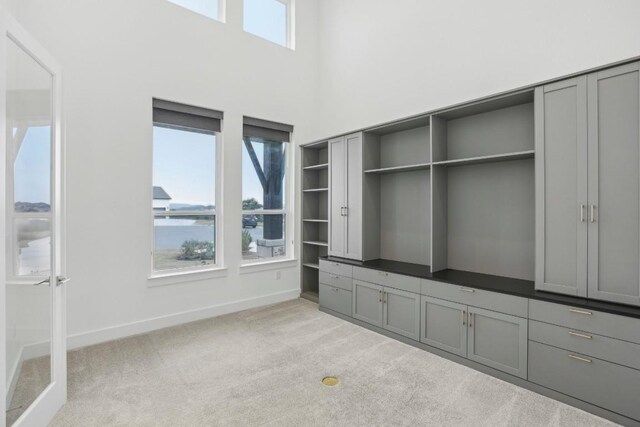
pixel 161 199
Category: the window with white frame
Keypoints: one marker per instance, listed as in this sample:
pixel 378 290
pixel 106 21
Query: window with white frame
pixel 266 204
pixel 185 187
pixel 213 9
pixel 270 19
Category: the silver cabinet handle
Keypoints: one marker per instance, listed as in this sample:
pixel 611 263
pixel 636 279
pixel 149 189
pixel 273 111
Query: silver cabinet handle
pixel 592 214
pixel 342 211
pixel 464 315
pixel 575 310
pixel 346 211
pixel 582 213
pixel 384 297
pixel 467 290
pixel 579 335
pixel 581 359
pixel 470 319
pixel 47 281
pixel 379 296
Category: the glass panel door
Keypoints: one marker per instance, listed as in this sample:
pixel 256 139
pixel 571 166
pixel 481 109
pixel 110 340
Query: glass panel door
pixel 35 369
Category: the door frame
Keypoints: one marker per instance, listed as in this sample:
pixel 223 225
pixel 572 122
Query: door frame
pixel 47 404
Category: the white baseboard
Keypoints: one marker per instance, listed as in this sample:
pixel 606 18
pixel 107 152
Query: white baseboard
pixel 135 328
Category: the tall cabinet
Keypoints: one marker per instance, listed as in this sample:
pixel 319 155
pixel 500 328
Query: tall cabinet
pixel 346 208
pixel 588 185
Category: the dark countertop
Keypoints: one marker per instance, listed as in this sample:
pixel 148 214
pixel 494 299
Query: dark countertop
pixel 500 284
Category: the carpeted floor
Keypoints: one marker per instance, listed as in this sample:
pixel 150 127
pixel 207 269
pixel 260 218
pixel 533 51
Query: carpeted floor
pixel 264 367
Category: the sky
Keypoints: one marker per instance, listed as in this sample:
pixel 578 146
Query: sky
pixel 32 167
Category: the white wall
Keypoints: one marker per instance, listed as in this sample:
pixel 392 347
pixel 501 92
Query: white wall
pixel 382 60
pixel 116 55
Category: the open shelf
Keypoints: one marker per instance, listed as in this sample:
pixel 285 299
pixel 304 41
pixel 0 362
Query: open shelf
pixel 315 190
pixel 393 169
pixel 529 154
pixel 312 265
pixel 315 243
pixel 317 167
pixel 315 220
pixel 311 296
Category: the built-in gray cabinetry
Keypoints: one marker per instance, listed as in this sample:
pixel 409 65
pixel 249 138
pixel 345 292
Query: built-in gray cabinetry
pixel 495 339
pixel 588 185
pixel 390 308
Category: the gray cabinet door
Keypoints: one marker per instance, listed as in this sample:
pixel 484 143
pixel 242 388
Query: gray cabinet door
pixel 561 187
pixel 443 325
pixel 614 184
pixel 498 340
pixel 367 302
pixel 401 312
pixel 337 196
pixel 353 212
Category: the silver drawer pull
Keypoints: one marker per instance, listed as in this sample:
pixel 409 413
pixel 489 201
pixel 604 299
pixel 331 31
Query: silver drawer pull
pixel 383 273
pixel 335 289
pixel 575 310
pixel 333 276
pixel 579 335
pixel 337 264
pixel 582 359
pixel 467 290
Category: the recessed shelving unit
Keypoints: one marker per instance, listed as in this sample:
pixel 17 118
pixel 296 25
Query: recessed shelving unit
pixel 394 169
pixel 483 187
pixel 315 214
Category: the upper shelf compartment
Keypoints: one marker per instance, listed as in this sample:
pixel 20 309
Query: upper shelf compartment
pixel 400 147
pixel 499 129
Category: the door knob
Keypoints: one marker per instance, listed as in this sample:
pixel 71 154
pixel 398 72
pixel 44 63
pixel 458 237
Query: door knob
pixel 47 281
pixel 60 280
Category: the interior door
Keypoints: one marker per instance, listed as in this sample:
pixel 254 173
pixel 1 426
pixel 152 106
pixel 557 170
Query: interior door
pixel 614 184
pixel 337 189
pixel 561 187
pixel 33 336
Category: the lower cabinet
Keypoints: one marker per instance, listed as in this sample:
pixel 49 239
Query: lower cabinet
pixel 444 325
pixel 494 339
pixel 392 309
pixel 334 298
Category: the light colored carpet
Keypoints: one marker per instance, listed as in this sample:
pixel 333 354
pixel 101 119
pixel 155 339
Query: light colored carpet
pixel 263 367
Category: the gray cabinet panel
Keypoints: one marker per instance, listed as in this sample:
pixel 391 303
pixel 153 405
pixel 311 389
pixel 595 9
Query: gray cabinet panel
pixel 605 348
pixel 601 383
pixel 508 304
pixel 338 268
pixel 443 325
pixel 398 281
pixel 353 218
pixel 335 299
pixel 614 184
pixel 334 280
pixel 401 313
pixel 337 196
pixel 561 187
pixel 609 325
pixel 498 340
pixel 367 302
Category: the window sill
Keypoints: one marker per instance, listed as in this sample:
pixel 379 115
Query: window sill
pixel 258 266
pixel 174 278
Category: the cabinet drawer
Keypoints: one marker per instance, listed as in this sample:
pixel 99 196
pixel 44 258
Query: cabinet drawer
pixel 341 282
pixel 392 280
pixel 335 299
pixel 605 384
pixel 606 324
pixel 495 301
pixel 605 348
pixel 336 268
